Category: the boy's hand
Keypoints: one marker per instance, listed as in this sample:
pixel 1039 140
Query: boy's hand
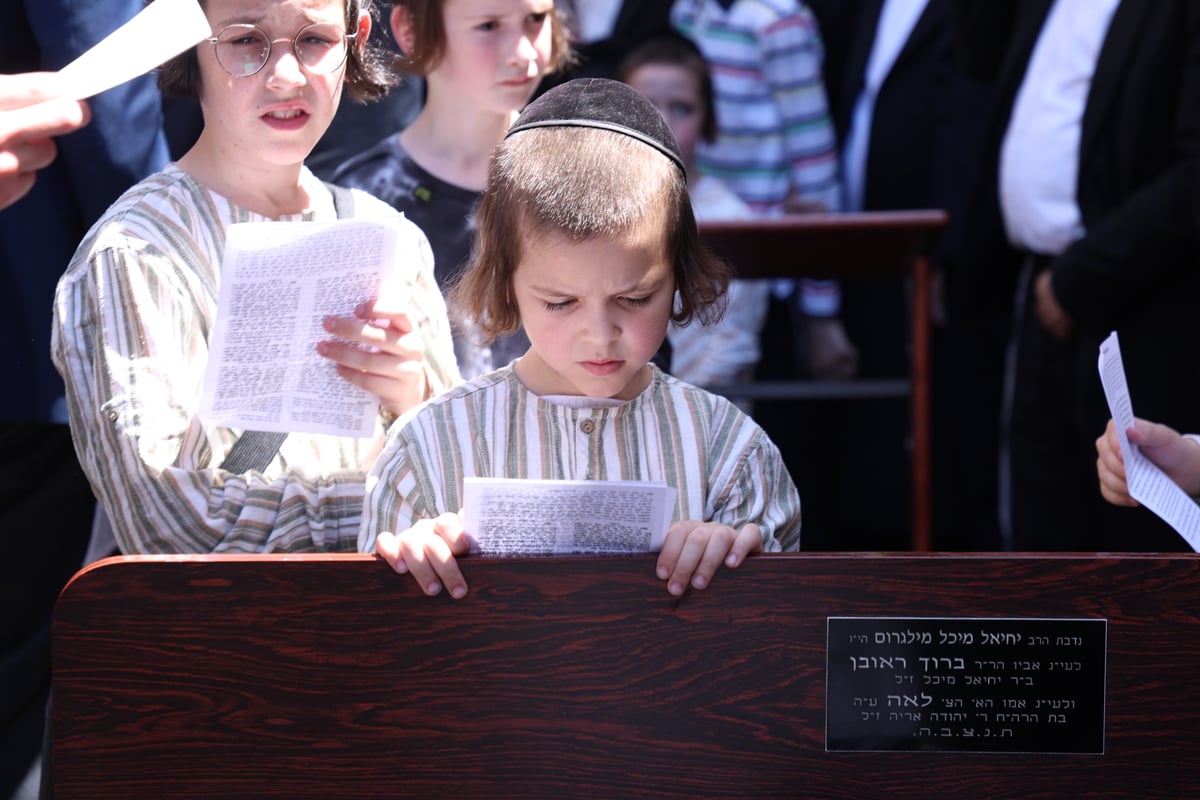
pixel 427 551
pixel 381 354
pixel 692 551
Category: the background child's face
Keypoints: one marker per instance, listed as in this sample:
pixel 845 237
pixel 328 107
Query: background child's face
pixel 595 311
pixel 496 52
pixel 278 114
pixel 675 91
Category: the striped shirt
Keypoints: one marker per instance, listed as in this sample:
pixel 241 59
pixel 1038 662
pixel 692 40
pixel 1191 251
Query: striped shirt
pixel 775 135
pixel 132 317
pixel 720 461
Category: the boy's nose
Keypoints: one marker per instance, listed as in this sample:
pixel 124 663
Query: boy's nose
pixel 283 68
pixel 526 51
pixel 601 329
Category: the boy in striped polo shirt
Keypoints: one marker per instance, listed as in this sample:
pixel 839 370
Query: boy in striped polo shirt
pixel 586 236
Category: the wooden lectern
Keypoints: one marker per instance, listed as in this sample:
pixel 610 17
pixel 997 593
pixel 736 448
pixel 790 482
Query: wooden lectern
pixel 901 676
pixel 842 246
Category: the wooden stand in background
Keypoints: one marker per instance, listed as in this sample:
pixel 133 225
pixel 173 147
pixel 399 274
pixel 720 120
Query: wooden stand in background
pixel 841 246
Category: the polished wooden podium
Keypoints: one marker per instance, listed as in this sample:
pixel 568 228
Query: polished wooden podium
pixel 1070 676
pixel 864 244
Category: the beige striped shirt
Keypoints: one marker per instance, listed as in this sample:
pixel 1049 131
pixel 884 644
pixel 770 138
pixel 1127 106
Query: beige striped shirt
pixel 132 318
pixel 720 461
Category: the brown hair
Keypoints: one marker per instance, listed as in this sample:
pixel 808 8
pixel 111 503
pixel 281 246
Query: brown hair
pixel 676 50
pixel 429 35
pixel 370 69
pixel 580 183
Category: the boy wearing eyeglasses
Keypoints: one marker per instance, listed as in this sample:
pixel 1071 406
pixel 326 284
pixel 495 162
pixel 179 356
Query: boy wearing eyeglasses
pixel 135 307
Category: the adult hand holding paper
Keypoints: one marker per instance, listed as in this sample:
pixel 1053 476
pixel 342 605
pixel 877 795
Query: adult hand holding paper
pixel 1147 483
pixel 31 112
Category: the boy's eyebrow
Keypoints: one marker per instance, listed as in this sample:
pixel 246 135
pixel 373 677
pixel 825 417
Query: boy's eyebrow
pixel 496 11
pixel 641 286
pixel 540 289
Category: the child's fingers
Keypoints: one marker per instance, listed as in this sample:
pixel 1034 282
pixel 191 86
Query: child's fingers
pixel 379 315
pixel 725 547
pixel 387 547
pixel 749 540
pixel 715 550
pixel 449 526
pixel 690 556
pixel 368 334
pixel 702 553
pixel 432 564
pixel 673 543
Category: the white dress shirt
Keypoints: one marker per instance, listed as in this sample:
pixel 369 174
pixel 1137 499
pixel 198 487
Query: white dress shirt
pixel 1039 158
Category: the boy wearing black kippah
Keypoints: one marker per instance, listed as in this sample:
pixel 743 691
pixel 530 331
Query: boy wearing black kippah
pixel 586 236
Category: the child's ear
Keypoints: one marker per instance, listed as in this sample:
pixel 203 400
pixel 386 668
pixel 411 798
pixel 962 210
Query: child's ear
pixel 363 29
pixel 402 29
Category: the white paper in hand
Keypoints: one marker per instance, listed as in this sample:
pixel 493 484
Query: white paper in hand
pixel 160 31
pixel 279 281
pixel 1148 484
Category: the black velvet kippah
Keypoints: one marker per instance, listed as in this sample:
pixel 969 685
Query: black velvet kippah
pixel 601 103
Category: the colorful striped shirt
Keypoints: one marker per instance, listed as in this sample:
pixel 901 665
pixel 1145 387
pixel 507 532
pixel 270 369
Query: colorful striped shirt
pixel 132 317
pixel 722 464
pixel 775 134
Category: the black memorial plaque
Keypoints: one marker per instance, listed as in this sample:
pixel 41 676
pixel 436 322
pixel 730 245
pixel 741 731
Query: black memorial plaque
pixel 965 684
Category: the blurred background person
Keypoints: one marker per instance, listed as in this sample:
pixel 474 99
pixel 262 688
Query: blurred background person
pixel 1084 221
pixel 909 125
pixel 46 504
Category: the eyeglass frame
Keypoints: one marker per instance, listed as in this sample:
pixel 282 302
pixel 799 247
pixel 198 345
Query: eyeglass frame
pixel 347 38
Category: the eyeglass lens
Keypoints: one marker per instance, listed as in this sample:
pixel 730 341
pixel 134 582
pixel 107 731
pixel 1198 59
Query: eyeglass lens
pixel 243 50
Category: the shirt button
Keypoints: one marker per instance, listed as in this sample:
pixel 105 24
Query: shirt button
pixel 587 426
pixel 113 416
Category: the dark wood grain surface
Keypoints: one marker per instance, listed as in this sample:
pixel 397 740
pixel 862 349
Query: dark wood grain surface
pixel 825 245
pixel 332 677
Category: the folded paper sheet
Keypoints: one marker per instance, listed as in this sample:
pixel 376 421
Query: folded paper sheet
pixel 160 31
pixel 1148 484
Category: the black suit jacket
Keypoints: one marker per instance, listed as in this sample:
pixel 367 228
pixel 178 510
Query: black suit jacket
pixel 1137 269
pixel 1138 159
pixel 928 115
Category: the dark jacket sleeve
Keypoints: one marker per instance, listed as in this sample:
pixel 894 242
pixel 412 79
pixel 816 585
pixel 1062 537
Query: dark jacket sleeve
pixel 1139 188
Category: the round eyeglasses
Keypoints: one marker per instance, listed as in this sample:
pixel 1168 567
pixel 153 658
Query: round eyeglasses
pixel 243 50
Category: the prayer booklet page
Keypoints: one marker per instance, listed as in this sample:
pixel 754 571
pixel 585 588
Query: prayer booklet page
pixel 510 517
pixel 279 281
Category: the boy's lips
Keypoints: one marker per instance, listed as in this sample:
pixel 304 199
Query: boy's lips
pixel 285 113
pixel 518 81
pixel 285 118
pixel 602 367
